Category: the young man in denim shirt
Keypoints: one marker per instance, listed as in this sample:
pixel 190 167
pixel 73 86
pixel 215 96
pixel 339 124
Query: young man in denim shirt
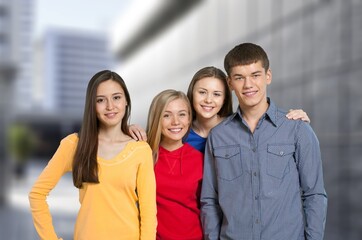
pixel 263 174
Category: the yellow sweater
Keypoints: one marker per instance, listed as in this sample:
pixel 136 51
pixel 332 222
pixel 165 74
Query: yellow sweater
pixel 121 206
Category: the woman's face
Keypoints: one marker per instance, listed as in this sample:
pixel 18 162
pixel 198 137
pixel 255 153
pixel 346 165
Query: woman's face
pixel 208 97
pixel 175 122
pixel 111 103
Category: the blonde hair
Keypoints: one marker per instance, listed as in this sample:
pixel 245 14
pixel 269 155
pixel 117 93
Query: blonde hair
pixel 155 113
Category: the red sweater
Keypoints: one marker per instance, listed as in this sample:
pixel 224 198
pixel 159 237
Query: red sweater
pixel 178 185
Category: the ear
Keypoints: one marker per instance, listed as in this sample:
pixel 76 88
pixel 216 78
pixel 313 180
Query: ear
pixel 229 83
pixel 268 76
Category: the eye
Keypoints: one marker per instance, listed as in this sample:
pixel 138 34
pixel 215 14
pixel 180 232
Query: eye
pixel 117 97
pixel 202 92
pixel 217 94
pixel 256 76
pixel 100 100
pixel 166 115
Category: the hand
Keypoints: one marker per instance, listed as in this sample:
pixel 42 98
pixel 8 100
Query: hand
pixel 137 132
pixel 298 114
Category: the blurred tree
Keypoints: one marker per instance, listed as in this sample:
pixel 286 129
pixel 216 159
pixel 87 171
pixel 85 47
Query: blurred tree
pixel 21 143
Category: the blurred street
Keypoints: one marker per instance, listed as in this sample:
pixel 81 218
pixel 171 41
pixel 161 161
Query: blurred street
pixel 15 217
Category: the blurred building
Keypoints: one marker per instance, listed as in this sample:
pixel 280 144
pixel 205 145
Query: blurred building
pixel 15 60
pixel 66 60
pixel 22 36
pixel 315 48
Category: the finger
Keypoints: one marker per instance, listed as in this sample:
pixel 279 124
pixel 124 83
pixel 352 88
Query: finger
pixel 139 136
pixel 144 136
pixel 133 135
pixel 295 113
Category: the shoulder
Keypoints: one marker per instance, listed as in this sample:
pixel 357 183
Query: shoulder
pixel 140 145
pixel 71 139
pixel 191 150
pixel 224 125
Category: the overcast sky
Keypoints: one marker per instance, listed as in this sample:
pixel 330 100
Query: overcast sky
pixel 80 14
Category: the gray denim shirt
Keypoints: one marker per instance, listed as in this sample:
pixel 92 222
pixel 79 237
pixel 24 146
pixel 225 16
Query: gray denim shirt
pixel 263 185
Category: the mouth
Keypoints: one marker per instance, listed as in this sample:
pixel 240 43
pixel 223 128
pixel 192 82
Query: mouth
pixel 110 115
pixel 207 108
pixel 175 130
pixel 250 93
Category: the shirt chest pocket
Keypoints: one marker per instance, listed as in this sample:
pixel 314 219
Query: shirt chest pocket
pixel 228 163
pixel 278 159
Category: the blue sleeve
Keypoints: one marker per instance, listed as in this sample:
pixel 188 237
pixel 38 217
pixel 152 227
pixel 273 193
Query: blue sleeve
pixel 314 197
pixel 211 215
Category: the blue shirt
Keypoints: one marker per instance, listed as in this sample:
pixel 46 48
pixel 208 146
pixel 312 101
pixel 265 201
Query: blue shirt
pixel 196 141
pixel 263 185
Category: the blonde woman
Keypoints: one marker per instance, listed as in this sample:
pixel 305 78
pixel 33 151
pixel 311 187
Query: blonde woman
pixel 178 167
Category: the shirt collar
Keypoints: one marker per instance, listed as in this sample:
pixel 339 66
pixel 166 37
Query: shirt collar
pixel 271 113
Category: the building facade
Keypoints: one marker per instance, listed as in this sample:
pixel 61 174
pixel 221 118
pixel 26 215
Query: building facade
pixel 66 60
pixel 15 60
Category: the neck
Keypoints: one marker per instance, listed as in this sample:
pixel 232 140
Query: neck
pixel 171 145
pixel 202 126
pixel 252 114
pixel 112 134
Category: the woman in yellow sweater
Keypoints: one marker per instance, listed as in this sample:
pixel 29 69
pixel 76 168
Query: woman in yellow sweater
pixel 113 172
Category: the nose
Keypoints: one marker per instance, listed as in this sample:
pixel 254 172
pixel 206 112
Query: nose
pixel 109 105
pixel 208 98
pixel 175 120
pixel 247 82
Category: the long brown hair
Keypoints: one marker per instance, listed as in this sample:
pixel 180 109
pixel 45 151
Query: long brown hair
pixel 227 107
pixel 157 108
pixel 85 167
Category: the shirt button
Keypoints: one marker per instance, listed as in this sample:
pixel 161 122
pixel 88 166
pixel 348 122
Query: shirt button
pixel 256 197
pixel 226 155
pixel 257 221
pixel 281 153
pixel 254 149
pixel 254 174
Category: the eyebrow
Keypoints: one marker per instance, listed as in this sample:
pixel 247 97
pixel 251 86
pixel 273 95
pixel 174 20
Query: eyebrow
pixel 241 75
pixel 117 93
pixel 183 110
pixel 211 91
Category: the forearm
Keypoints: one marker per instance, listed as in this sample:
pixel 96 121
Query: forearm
pixel 314 196
pixel 211 213
pixel 211 216
pixel 146 189
pixel 48 179
pixel 41 215
pixel 315 209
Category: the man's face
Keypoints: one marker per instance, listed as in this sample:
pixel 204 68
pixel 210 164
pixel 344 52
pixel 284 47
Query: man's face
pixel 249 82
